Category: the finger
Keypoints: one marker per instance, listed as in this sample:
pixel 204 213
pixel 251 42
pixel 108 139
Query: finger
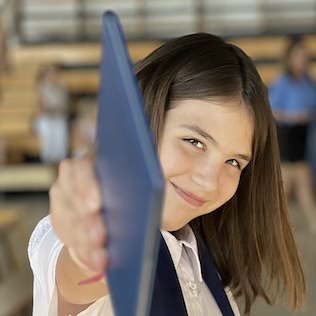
pixel 86 184
pixel 96 229
pixel 76 178
pixel 77 182
pixel 67 222
pixel 78 228
pixel 76 231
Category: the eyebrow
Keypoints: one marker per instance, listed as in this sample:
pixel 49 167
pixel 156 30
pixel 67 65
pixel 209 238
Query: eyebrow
pixel 197 129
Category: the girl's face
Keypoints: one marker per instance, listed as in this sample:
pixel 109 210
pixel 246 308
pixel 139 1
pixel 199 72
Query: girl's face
pixel 204 148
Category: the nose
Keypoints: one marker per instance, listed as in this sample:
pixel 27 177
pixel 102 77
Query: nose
pixel 206 173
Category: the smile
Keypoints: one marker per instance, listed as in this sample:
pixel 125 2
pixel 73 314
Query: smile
pixel 189 197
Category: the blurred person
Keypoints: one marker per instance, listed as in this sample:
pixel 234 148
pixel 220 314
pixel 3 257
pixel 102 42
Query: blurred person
pixel 84 127
pixel 51 124
pixel 293 101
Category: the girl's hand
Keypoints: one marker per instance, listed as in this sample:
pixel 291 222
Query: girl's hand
pixel 75 212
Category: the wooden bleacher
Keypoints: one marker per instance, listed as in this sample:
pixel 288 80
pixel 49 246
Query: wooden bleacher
pixel 80 74
pixel 15 272
pixel 271 50
pixel 18 102
pixel 18 88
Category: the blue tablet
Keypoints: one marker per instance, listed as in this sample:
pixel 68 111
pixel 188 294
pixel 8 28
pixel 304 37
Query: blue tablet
pixel 130 177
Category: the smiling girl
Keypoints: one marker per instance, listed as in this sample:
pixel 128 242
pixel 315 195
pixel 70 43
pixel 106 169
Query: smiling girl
pixel 216 139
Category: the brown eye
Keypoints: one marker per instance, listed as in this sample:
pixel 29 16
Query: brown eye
pixel 234 163
pixel 196 143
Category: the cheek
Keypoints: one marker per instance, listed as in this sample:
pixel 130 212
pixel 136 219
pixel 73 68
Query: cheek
pixel 173 160
pixel 229 186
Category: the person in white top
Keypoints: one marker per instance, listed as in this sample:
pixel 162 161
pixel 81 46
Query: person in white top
pixel 51 122
pixel 216 141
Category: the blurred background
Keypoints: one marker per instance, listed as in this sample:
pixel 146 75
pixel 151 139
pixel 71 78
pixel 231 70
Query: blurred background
pixel 49 58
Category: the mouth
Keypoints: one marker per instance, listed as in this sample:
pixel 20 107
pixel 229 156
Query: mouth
pixel 189 197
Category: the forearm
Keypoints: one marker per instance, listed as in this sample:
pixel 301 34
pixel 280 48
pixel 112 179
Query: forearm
pixel 69 274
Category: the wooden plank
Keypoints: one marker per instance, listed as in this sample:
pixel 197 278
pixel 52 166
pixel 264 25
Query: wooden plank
pixel 26 177
pixel 15 124
pixel 16 288
pixel 80 53
pixel 80 81
pixel 311 44
pixel 4 264
pixel 140 49
pixel 269 72
pixel 17 109
pixel 271 47
pixel 18 102
pixel 264 47
pixel 16 292
pixel 25 144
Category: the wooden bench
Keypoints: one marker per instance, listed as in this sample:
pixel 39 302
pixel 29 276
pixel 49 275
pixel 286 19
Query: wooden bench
pixel 263 47
pixel 16 293
pixel 269 72
pixel 18 104
pixel 16 279
pixel 80 81
pixel 79 53
pixel 19 98
pixel 270 47
pixel 27 177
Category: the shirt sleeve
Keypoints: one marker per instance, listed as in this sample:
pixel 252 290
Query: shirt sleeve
pixel 43 251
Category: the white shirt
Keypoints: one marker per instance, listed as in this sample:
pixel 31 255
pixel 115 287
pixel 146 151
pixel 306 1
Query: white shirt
pixel 44 248
pixel 198 299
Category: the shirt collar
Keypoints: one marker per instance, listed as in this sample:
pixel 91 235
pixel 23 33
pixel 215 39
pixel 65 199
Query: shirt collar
pixel 183 238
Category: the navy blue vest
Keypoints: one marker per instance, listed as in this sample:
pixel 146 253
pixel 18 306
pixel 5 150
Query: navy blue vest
pixel 167 297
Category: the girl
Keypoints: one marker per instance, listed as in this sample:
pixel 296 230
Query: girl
pixel 216 139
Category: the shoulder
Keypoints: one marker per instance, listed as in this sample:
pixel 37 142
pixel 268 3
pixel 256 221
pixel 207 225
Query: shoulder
pixel 41 229
pixel 43 251
pixel 44 246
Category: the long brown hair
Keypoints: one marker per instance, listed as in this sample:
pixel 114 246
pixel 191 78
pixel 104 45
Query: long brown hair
pixel 250 237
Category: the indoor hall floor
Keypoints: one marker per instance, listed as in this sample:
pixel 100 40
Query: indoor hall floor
pixel 34 206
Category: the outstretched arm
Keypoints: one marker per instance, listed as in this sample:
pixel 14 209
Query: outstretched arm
pixel 75 213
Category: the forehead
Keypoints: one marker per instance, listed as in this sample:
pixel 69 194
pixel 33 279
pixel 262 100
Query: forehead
pixel 209 110
pixel 229 121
